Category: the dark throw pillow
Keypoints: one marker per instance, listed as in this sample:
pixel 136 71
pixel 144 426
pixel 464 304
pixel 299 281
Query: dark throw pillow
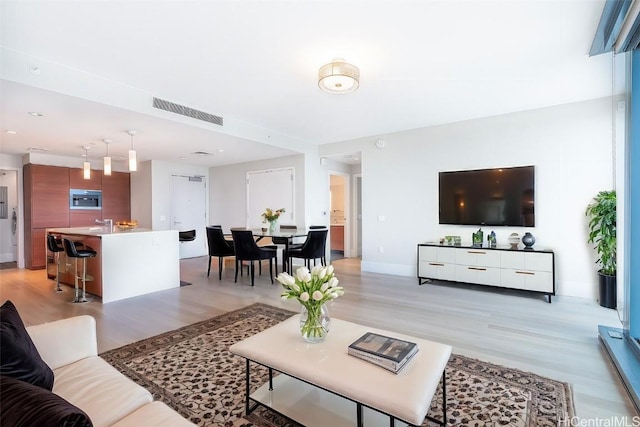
pixel 26 405
pixel 19 357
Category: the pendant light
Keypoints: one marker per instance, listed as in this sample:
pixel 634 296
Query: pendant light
pixel 86 167
pixel 107 159
pixel 133 163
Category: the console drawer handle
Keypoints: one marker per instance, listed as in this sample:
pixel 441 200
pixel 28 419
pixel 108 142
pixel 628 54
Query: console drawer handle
pixel 526 272
pixel 477 252
pixel 477 268
pixel 436 263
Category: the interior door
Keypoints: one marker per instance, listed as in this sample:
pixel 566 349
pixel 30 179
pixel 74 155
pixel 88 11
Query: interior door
pixel 188 212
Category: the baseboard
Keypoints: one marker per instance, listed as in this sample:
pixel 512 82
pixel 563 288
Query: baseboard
pixel 386 268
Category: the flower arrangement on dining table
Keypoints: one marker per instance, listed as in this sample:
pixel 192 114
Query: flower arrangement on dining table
pixel 312 289
pixel 271 215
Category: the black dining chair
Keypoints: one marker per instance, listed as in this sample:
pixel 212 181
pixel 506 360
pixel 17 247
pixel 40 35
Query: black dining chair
pixel 218 247
pixel 247 249
pixel 313 248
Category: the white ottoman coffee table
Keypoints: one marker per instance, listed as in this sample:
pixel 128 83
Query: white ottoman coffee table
pixel 324 386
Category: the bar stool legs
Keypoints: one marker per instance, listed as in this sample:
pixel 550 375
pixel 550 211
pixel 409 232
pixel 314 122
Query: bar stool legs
pixel 81 298
pixel 57 258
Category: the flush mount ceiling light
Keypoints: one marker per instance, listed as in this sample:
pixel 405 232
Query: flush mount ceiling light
pixel 339 76
pixel 133 163
pixel 86 167
pixel 35 114
pixel 107 159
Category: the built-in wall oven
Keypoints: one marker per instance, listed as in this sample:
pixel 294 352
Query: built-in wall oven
pixel 85 199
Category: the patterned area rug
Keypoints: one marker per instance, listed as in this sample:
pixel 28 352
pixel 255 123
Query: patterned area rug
pixel 191 370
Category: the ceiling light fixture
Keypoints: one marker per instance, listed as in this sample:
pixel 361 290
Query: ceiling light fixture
pixel 107 159
pixel 86 167
pixel 10 132
pixel 339 76
pixel 35 114
pixel 133 163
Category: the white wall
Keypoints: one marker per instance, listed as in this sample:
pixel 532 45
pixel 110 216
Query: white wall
pixel 228 190
pixel 151 191
pixel 570 146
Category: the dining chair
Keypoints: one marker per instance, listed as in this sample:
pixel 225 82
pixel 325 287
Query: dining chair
pixel 247 249
pixel 218 247
pixel 313 248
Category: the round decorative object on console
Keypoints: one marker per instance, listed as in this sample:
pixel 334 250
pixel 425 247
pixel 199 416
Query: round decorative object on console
pixel 528 240
pixel 514 239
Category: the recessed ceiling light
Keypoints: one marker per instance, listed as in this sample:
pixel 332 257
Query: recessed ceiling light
pixel 34 69
pixel 201 153
pixel 12 132
pixel 38 149
pixel 183 158
pixel 220 150
pixel 35 114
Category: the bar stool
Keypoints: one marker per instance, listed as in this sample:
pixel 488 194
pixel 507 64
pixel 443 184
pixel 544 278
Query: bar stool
pixel 73 252
pixel 53 246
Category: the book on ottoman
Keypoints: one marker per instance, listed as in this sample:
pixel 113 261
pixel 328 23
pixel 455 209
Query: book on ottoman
pixel 387 352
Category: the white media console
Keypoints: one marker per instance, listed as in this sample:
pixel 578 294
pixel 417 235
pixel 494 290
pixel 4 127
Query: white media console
pixel 525 269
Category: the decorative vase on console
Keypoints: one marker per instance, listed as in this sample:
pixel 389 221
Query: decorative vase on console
pixel 528 240
pixel 312 289
pixel 273 225
pixel 478 238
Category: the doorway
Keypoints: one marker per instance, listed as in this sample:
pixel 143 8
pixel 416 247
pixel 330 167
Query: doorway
pixel 338 191
pixel 8 218
pixel 189 212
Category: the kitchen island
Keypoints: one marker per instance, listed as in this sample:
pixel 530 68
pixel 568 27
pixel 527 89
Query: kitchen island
pixel 128 263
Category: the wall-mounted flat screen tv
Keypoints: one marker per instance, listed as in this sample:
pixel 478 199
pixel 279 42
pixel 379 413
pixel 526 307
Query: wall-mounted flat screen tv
pixel 500 196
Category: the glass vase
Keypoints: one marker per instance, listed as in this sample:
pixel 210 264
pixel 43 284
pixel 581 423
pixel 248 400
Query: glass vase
pixel 273 226
pixel 314 322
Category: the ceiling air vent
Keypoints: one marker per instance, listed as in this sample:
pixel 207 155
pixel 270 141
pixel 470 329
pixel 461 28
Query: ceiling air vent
pixel 186 111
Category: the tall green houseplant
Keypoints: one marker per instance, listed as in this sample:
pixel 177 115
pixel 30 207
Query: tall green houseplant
pixel 602 232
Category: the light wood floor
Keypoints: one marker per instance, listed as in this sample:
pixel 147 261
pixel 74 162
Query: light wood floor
pixel 510 328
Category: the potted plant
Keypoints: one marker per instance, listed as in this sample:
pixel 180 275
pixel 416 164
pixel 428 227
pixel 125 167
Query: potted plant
pixel 602 232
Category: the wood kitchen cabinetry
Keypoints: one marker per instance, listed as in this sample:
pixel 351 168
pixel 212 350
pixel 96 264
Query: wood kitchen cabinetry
pixel 116 197
pixel 46 201
pixel 337 237
pixel 76 179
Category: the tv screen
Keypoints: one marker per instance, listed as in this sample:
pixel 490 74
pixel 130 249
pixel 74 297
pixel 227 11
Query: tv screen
pixel 501 196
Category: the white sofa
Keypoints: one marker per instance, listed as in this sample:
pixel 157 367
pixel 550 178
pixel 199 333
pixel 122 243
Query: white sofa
pixel 70 348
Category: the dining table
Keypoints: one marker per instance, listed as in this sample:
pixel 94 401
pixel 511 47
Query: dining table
pixel 287 234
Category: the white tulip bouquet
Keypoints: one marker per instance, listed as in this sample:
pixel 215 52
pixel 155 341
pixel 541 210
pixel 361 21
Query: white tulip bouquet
pixel 312 289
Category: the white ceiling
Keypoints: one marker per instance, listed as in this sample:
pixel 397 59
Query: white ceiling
pixel 255 63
